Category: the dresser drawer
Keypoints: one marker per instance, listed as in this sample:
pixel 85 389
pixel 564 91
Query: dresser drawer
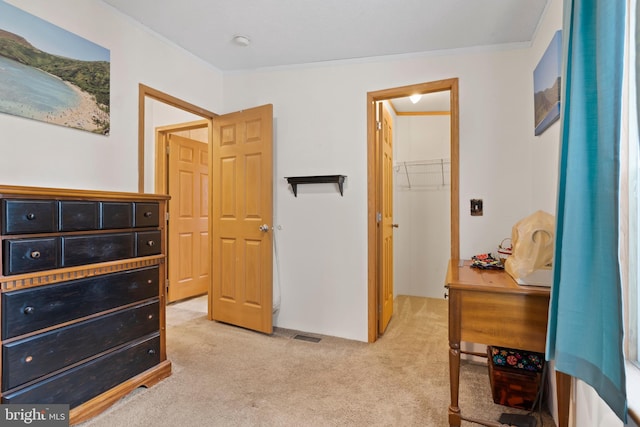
pixel 28 310
pixel 28 255
pixel 148 243
pixel 32 357
pixel 28 216
pixel 116 215
pixel 147 214
pixel 78 215
pixel 84 382
pixel 89 249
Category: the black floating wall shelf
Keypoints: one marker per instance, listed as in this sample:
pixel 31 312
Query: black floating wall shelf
pixel 323 179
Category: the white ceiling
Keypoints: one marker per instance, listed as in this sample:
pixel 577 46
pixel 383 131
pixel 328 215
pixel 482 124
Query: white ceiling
pixel 291 32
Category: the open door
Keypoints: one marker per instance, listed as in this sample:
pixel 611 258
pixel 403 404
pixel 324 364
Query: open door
pixel 386 225
pixel 241 219
pixel 188 185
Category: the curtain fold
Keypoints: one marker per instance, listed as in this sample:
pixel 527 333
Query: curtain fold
pixel 585 335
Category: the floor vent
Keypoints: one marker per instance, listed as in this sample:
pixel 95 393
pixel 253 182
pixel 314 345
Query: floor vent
pixel 306 338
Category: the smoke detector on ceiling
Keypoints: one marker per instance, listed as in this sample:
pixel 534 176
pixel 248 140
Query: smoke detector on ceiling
pixel 242 41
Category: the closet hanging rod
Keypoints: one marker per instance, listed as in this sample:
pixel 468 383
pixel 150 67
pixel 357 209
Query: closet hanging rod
pixel 419 168
pixel 428 162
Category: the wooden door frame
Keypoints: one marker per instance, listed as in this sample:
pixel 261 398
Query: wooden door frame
pixel 162 175
pixel 161 163
pixel 145 92
pixel 373 183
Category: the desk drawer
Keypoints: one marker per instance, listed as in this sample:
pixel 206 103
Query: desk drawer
pixel 82 383
pixel 28 310
pixel 29 255
pixel 33 357
pixel 80 250
pixel 28 216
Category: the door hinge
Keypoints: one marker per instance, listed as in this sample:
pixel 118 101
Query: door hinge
pixel 379 217
pixel 166 216
pixel 378 125
pixel 167 149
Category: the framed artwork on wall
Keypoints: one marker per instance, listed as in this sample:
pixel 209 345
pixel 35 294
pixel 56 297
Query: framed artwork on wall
pixel 52 75
pixel 546 85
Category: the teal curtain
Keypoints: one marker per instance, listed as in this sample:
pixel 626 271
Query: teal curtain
pixel 585 336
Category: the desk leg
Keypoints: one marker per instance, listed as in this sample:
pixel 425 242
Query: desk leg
pixel 454 381
pixel 454 358
pixel 563 383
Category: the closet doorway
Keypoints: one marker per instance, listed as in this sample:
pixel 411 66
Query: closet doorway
pixel 421 193
pixel 378 177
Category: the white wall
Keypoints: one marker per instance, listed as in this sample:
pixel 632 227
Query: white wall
pixel 320 128
pixel 320 114
pixel 40 154
pixel 544 149
pixel 422 195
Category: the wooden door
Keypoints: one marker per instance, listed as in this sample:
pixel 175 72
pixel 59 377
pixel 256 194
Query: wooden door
pixel 188 184
pixel 386 222
pixel 241 221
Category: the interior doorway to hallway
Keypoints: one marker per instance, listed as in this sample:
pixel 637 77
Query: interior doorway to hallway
pixel 163 121
pixel 182 172
pixel 377 269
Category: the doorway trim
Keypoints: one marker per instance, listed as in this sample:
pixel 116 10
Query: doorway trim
pixel 145 92
pixel 149 92
pixel 161 140
pixel 373 183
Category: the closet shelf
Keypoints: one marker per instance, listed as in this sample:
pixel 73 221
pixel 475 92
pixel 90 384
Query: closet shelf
pixel 318 179
pixel 423 173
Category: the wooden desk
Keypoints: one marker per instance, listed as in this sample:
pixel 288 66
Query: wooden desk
pixel 489 307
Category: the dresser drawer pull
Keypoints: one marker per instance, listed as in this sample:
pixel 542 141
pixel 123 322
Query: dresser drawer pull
pixel 28 359
pixel 150 316
pixel 151 351
pixel 151 243
pixel 31 216
pixel 148 214
pixel 28 310
pixel 35 254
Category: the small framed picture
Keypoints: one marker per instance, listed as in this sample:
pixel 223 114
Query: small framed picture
pixel 546 85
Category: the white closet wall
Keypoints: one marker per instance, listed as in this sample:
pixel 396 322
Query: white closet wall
pixel 421 204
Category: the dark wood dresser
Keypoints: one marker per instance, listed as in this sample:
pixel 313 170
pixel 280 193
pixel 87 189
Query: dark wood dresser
pixel 82 296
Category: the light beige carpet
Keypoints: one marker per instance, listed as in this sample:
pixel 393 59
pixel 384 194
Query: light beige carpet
pixel 228 376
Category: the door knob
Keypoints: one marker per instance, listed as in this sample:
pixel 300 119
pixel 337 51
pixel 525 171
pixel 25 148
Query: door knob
pixel 395 225
pixel 264 228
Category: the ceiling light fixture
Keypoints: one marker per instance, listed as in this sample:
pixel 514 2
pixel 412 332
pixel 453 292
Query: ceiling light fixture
pixel 415 98
pixel 242 41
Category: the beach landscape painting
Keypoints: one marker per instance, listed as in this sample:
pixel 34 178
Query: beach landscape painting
pixel 52 75
pixel 546 85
